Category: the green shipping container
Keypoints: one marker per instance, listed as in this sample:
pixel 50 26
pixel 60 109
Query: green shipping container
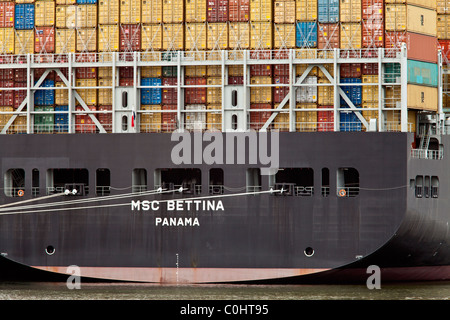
pixel 392 72
pixel 422 73
pixel 44 122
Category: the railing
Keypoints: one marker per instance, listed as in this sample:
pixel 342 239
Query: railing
pixel 103 190
pixel 216 189
pixel 427 154
pixel 345 192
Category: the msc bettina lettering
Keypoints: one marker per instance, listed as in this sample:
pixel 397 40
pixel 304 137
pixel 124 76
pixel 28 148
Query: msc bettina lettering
pixel 178 205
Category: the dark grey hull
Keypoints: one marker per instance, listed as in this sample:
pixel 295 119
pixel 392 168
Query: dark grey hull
pixel 264 237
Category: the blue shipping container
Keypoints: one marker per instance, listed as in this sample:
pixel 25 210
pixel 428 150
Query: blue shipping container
pixel 328 11
pixel 349 121
pixel 151 95
pixel 24 16
pixel 354 93
pixel 306 34
pixel 61 119
pixel 423 73
pixel 86 1
pixel 45 97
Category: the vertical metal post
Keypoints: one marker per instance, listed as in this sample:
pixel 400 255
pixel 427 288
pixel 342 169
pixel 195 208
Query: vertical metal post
pixel 336 90
pixel 224 78
pixel 180 93
pixel 30 82
pixel 441 115
pixel 113 91
pixel 292 92
pixel 404 89
pixel 136 79
pixel 245 79
pixel 70 107
pixel 380 123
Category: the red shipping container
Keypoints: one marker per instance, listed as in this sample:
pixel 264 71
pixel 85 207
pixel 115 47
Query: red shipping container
pixel 86 57
pixel 370 68
pixel 169 119
pixel 83 122
pixel 414 44
pixel 130 37
pixel 260 54
pixel 7 74
pixel 217 11
pixel 7 96
pixel 40 71
pixel 259 118
pixel 105 118
pixel 19 95
pixel 126 82
pixel 281 70
pixel 445 49
pixel 350 70
pixel 239 10
pixel 65 72
pixel 20 75
pixel 328 36
pixel 6 14
pixel 44 41
pixel 279 93
pixel 236 80
pixel 86 73
pixel 126 72
pixel 325 119
pixel 372 9
pixel 195 95
pixel 261 70
pixel 372 33
pixel 169 95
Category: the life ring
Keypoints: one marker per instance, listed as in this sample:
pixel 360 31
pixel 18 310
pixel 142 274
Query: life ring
pixel 342 193
pixel 20 193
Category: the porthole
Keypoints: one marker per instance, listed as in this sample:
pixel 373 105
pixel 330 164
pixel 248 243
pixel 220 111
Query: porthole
pixel 309 252
pixel 50 250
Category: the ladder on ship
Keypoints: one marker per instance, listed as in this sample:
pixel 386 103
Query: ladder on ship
pixel 425 141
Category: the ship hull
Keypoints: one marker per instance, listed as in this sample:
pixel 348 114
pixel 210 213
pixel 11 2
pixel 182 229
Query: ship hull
pixel 234 236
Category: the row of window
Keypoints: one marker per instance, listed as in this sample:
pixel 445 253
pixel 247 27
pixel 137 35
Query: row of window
pixel 292 181
pixel 425 186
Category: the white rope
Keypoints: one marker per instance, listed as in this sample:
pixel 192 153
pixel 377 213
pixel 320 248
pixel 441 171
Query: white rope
pixel 128 204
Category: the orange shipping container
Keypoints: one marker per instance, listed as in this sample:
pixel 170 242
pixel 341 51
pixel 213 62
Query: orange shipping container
pixel 372 34
pixel 239 10
pixel 6 14
pixel 45 40
pixel 328 36
pixel 372 9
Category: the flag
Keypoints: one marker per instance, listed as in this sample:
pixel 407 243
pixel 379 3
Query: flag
pixel 133 119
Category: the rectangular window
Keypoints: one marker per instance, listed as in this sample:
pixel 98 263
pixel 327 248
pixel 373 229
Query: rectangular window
pixel 419 186
pixel 14 182
pixel 253 178
pixel 102 182
pixel 189 179
pixel 347 181
pixel 35 183
pixel 216 181
pixel 139 180
pixel 76 181
pixel 295 181
pixel 325 182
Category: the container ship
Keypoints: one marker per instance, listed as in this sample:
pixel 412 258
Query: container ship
pixel 224 141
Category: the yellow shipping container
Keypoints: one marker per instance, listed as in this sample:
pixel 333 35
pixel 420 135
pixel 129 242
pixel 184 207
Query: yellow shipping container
pixel 395 15
pixel 235 71
pixel 306 10
pixel 86 16
pixel 151 121
pixel 20 124
pixel 108 11
pixel 350 36
pixel 108 38
pixel 214 94
pixel 4 118
pixel 6 40
pixel 261 35
pixel 370 110
pixel 260 10
pixel 421 20
pixel 301 68
pixel 66 1
pixel 89 96
pixel 152 11
pixel 44 13
pixel 105 95
pixel 195 71
pixel 370 93
pixel 130 11
pixel 66 16
pixel 214 119
pixel 306 121
pixel 261 94
pixel 284 11
pixel 173 36
pixel 393 120
pixel 151 37
pixel 86 39
pixel 173 11
pixel 443 6
pixel 325 93
pixel 430 4
pixel 281 121
pixel 443 26
pixel 65 40
pixel 195 10
pixel 350 10
pixel 284 35
pixel 61 95
pixel 151 72
pixel 24 41
pixel 422 97
pixel 104 73
pixel 214 71
pixel 217 36
pixel 239 35
pixel 195 36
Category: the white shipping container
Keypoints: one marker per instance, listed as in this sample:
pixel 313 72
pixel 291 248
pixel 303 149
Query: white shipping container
pixel 307 93
pixel 195 120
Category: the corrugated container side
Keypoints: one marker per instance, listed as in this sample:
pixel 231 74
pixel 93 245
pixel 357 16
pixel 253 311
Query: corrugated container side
pixel 195 10
pixel 372 9
pixel 7 74
pixel 86 39
pixel 6 14
pixel 195 36
pixel 349 122
pixel 422 73
pixel 328 11
pixel 173 11
pixel 45 97
pixel 279 93
pixel 235 80
pixel 328 36
pixel 83 122
pixel 130 37
pixel 108 38
pixel 306 34
pixel 150 122
pixel 261 35
pixel 86 16
pixel 45 40
pixel 444 45
pixel 19 95
pixel 108 12
pixel 151 95
pixel 6 40
pixel 86 73
pixel 442 6
pixel 44 13
pixel 260 94
pixel 370 93
pixel 239 10
pixel 217 10
pixel 354 93
pixel 195 95
pixel 350 10
pixel 395 17
pixel 61 95
pixel 284 35
pixel 372 33
pixel 325 93
pixel 214 119
pixel 151 37
pixel 105 118
pixel 151 72
pixel 173 36
pixel 169 119
pixel 44 122
pixel 422 97
pixel 7 96
pixel 239 35
pixel 89 96
pixel 195 120
pixel 195 71
pixel 214 94
pixel 306 10
pixel 421 20
pixel 301 68
pixel 284 11
pixel 306 121
pixel 369 110
pixel 24 16
pixel 350 36
pixel 443 26
pixel 65 41
pixel 130 11
pixel 259 118
pixel 325 119
pixel 260 10
pixel 66 16
pixel 24 41
pixel 152 11
pixel 169 95
pixel 370 68
pixel 217 36
pixel 307 94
